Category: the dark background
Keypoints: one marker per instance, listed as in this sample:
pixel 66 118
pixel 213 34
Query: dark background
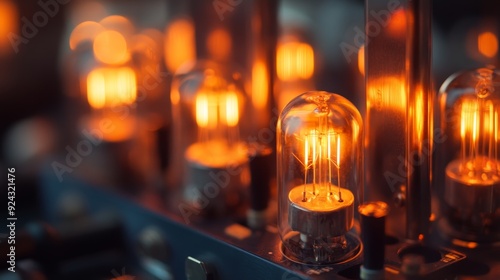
pixel 31 83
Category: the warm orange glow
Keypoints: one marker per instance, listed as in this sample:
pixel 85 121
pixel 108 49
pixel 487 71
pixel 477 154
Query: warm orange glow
pixel 144 45
pixel 361 60
pixel 419 115
pixel 289 91
pixel 219 44
pixel 111 47
pixel 179 44
pixel 9 19
pixel 496 141
pixel 468 119
pixel 148 44
pixel 338 151
pixel 84 32
pixel 294 60
pixel 212 109
pixel 397 23
pixel 202 110
pixel 108 87
pixel 175 97
pixel 479 140
pixel 260 85
pixel 387 93
pixel 321 161
pixel 420 237
pixel 432 217
pixel 217 153
pixel 321 151
pixel 118 23
pixel 466 244
pixel 487 44
pixel 488 118
pixel 306 154
pixel 497 127
pixel 232 109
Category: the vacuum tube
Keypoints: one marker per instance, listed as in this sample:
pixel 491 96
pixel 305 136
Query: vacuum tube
pixel 467 156
pixel 208 104
pixel 111 75
pixel 320 175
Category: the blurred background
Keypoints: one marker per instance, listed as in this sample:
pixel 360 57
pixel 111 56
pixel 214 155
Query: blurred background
pixel 42 47
pixel 47 46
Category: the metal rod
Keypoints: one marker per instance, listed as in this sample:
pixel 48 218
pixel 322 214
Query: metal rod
pixel 419 140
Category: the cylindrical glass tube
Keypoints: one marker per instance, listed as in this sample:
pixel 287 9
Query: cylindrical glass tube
pixel 209 106
pixel 229 49
pixel 241 34
pixel 110 63
pixel 467 162
pixel 310 52
pixel 320 177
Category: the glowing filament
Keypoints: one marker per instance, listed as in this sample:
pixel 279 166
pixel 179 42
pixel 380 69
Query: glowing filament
pixel 232 116
pixel 217 115
pixel 108 87
pixel 202 110
pixel 295 60
pixel 419 115
pixel 318 160
pixel 479 139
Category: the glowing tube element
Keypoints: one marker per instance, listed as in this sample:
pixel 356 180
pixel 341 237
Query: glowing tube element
pixel 319 178
pixel 209 108
pixel 467 163
pixel 109 91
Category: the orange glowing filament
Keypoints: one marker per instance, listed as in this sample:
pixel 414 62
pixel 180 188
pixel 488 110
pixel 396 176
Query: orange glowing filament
pixel 217 115
pixel 294 61
pixel 108 87
pixel 318 163
pixel 479 140
pixel 108 90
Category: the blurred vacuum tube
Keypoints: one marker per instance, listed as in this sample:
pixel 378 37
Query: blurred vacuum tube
pixel 237 33
pixel 320 177
pixel 294 68
pixel 109 86
pixel 209 108
pixel 221 54
pixel 110 69
pixel 467 166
